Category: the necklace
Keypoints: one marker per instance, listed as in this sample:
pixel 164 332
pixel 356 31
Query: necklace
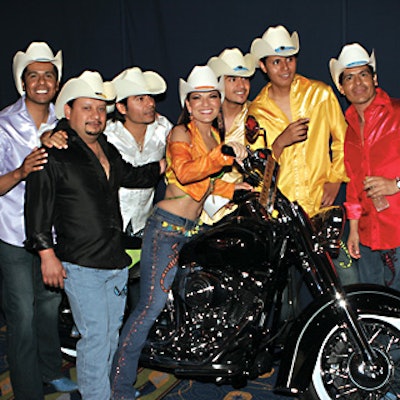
pixel 140 145
pixel 139 142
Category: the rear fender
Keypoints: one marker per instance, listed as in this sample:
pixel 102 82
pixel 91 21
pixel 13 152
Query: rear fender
pixel 311 328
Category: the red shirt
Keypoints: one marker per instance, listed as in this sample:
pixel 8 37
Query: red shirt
pixel 378 156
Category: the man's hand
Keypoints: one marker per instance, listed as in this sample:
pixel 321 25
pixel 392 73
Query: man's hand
pixel 353 241
pixel 295 132
pixel 379 186
pixel 53 271
pixel 163 165
pixel 57 139
pixel 33 162
pixel 330 192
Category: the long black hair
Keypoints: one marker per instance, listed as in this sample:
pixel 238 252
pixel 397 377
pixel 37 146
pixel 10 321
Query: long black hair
pixel 218 123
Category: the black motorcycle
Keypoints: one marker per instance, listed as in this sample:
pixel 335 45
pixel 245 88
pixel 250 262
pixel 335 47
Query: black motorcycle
pixel 233 311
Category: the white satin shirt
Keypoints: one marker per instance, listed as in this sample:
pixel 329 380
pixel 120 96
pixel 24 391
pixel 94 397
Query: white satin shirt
pixel 18 137
pixel 136 204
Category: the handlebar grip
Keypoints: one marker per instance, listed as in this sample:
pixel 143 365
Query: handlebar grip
pixel 227 150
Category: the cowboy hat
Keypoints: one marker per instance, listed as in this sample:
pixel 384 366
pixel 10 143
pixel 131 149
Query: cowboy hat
pixel 36 52
pixel 352 55
pixel 276 41
pixel 89 84
pixel 201 79
pixel 133 82
pixel 232 62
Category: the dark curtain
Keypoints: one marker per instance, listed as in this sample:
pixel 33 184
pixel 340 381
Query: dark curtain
pixel 171 36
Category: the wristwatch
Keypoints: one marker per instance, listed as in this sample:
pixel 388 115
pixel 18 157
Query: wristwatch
pixel 398 182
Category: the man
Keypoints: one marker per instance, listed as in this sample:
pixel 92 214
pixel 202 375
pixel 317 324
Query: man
pixel 139 133
pixel 372 153
pixel 77 193
pixel 304 127
pixel 31 309
pixel 299 116
pixel 235 70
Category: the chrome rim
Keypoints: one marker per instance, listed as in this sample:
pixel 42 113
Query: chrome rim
pixel 345 375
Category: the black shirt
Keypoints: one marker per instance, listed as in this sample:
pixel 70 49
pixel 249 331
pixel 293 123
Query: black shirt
pixel 72 193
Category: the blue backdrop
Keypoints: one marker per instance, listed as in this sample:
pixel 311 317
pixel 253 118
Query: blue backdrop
pixel 171 36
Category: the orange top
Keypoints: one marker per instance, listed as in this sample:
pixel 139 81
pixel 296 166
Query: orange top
pixel 190 166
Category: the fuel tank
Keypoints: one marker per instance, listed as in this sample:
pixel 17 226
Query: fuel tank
pixel 239 242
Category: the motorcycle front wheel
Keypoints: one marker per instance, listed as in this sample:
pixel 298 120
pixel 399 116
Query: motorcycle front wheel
pixel 341 373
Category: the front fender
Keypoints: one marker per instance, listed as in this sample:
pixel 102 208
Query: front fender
pixel 311 328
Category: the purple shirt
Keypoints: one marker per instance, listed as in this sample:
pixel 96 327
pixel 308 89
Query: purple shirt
pixel 18 136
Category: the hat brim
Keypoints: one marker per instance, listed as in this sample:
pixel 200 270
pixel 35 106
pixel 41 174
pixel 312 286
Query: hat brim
pixel 77 88
pixel 222 68
pixel 21 61
pixel 185 89
pixel 336 68
pixel 125 86
pixel 261 48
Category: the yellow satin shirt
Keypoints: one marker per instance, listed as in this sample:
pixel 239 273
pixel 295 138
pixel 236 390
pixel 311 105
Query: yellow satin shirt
pixel 306 166
pixel 235 134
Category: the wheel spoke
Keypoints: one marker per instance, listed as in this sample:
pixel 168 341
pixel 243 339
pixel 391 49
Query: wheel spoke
pixel 344 374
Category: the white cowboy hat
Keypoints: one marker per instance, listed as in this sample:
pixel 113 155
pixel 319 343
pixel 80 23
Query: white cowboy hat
pixel 36 52
pixel 133 82
pixel 89 84
pixel 232 62
pixel 276 41
pixel 201 79
pixel 352 55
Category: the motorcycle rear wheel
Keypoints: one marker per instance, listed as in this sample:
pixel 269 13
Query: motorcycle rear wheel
pixel 340 373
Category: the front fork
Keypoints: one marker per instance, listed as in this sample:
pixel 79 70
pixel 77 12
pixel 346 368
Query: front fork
pixel 369 356
pixel 322 279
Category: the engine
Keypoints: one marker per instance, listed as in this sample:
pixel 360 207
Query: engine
pixel 205 311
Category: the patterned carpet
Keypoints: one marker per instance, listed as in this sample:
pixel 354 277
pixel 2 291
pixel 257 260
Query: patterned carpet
pixel 155 385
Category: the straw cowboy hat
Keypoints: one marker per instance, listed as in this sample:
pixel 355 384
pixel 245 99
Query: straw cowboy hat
pixel 134 82
pixel 36 52
pixel 201 79
pixel 89 84
pixel 352 55
pixel 231 62
pixel 276 41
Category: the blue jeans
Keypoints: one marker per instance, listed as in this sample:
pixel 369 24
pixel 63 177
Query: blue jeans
pixel 31 311
pixel 346 267
pixel 97 298
pixel 164 235
pixel 375 266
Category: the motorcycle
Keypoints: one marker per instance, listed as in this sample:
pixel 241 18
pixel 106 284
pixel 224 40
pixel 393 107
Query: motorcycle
pixel 233 311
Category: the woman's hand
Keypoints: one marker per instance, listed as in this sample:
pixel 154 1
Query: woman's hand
pixel 239 150
pixel 243 186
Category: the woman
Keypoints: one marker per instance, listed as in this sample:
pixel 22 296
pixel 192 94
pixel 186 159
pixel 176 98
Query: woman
pixel 194 161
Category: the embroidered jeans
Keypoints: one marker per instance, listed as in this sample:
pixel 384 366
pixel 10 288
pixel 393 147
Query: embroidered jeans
pixel 380 266
pixel 165 234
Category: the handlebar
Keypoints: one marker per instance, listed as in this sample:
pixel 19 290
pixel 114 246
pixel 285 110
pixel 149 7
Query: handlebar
pixel 227 150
